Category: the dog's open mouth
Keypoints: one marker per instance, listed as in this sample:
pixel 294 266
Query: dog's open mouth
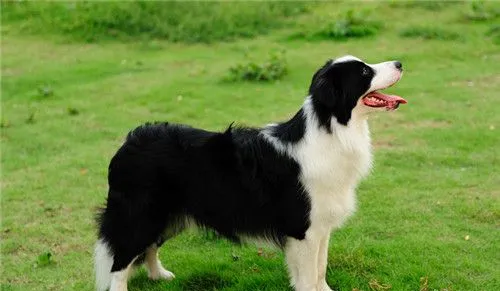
pixel 377 99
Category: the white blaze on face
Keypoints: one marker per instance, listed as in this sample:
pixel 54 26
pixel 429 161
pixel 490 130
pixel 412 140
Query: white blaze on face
pixel 386 74
pixel 346 59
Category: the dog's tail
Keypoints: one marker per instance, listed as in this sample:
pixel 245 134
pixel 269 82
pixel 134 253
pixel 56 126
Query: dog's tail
pixel 103 261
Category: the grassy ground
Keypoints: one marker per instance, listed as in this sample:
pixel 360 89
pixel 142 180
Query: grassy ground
pixel 428 216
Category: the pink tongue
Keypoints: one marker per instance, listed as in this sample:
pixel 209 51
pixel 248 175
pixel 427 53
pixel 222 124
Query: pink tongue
pixel 388 98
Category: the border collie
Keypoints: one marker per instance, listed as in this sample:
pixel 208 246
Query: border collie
pixel 290 183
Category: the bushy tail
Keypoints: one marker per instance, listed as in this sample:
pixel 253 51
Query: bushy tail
pixel 103 261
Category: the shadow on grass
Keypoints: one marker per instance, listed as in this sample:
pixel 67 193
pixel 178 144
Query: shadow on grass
pixel 200 281
pixel 205 281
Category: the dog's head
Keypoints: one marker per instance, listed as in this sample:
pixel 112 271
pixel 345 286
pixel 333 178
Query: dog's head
pixel 347 83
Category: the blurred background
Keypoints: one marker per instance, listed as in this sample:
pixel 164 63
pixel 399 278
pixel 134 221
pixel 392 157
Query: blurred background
pixel 77 76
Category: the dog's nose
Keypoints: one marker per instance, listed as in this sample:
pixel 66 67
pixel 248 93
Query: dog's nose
pixel 398 65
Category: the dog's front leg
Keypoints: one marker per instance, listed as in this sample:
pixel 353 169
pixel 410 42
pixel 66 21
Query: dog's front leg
pixel 323 262
pixel 302 261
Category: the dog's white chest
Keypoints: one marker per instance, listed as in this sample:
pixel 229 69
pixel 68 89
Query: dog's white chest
pixel 332 165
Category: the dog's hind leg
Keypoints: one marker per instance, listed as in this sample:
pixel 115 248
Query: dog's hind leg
pixel 154 267
pixel 119 279
pixel 128 226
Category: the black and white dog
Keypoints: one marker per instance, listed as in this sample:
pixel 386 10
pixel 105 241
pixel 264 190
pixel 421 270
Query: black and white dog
pixel 291 182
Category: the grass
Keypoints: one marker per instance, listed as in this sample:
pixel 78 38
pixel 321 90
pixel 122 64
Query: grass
pixel 494 33
pixel 350 24
pixel 274 68
pixel 430 33
pixel 482 11
pixel 422 4
pixel 428 215
pixel 169 20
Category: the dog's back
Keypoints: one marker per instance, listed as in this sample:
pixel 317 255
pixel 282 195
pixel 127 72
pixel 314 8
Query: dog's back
pixel 154 152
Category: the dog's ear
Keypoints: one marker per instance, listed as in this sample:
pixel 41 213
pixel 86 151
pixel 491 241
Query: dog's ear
pixel 327 91
pixel 322 88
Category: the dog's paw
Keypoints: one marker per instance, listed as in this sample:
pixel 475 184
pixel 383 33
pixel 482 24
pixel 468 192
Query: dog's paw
pixel 162 274
pixel 325 287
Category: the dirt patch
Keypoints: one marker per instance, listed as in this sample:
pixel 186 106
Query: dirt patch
pixel 392 143
pixel 384 144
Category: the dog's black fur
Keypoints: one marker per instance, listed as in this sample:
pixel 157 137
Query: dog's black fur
pixel 234 182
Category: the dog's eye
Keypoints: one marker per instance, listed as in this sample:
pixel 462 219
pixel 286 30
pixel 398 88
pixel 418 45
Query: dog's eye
pixel 365 71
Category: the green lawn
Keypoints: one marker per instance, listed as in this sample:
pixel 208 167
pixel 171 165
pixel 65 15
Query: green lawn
pixel 429 214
